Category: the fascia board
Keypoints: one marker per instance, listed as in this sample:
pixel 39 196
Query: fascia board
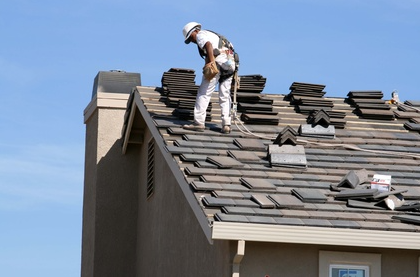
pixel 315 235
pixel 129 126
pixel 177 173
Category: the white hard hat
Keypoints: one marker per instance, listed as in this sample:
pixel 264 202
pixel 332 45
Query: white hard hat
pixel 188 29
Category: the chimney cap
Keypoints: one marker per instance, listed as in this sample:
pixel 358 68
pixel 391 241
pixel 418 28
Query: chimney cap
pixel 115 81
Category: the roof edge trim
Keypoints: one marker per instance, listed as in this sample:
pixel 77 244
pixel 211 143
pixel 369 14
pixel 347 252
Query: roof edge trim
pixel 315 235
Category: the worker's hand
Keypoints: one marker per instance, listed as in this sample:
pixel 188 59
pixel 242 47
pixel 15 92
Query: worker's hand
pixel 210 70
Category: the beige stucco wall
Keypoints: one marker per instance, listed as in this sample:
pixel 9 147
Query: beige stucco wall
pixel 297 260
pixel 172 242
pixel 110 198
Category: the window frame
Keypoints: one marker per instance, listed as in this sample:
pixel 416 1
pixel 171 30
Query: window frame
pixel 351 259
pixel 366 268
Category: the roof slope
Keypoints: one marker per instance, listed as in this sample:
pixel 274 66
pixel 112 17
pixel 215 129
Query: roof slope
pixel 322 184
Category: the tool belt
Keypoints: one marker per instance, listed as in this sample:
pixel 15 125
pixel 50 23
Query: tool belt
pixel 210 70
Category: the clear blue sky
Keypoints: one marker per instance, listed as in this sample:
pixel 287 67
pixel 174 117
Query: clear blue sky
pixel 51 50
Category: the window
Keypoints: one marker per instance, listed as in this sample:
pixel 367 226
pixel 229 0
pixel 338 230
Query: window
pixel 349 264
pixel 348 271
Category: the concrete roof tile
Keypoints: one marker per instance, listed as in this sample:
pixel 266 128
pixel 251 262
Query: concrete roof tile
pixel 244 194
pixel 295 213
pixel 218 179
pixel 268 212
pixel 322 215
pixel 350 216
pixel 204 164
pixel 317 222
pixel 261 219
pixel 202 186
pixel 224 162
pixel 238 210
pixel 373 225
pixel 254 183
pixel 246 203
pixel 231 218
pixel 244 156
pixel 205 151
pixel 286 201
pixel 397 226
pixel 190 144
pixel 289 221
pixel 217 202
pixel 250 144
pixel 345 224
pixel 253 174
pixel 227 194
pixel 377 217
pixel 263 201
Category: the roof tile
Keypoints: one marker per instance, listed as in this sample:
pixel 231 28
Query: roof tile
pixel 261 219
pixel 317 222
pixel 263 201
pixel 232 176
pixel 231 218
pixel 345 224
pixel 289 221
pixel 286 201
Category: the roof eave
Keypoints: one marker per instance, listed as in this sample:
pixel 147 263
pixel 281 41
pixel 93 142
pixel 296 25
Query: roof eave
pixel 315 235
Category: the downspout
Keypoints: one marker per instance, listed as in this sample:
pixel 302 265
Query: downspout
pixel 240 253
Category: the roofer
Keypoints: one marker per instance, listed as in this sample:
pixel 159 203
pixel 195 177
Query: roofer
pixel 220 65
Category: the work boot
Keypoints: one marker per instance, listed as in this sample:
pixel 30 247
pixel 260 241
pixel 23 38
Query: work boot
pixel 226 129
pixel 194 127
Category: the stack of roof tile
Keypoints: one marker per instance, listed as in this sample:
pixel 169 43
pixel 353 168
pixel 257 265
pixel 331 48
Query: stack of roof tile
pixel 309 99
pixel 178 85
pixel 410 111
pixel 370 105
pixel 255 107
pixel 251 84
pixel 306 89
pixel 410 106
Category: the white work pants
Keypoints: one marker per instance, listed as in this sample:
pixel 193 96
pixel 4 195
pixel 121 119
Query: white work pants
pixel 204 95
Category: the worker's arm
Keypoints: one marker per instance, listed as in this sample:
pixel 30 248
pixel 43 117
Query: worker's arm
pixel 209 51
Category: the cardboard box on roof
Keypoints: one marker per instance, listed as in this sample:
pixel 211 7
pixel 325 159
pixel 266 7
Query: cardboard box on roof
pixel 381 182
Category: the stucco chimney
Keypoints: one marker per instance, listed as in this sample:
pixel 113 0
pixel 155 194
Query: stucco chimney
pixel 110 188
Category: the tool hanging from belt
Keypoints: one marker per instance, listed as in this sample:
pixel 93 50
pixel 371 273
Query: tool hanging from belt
pixel 236 80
